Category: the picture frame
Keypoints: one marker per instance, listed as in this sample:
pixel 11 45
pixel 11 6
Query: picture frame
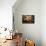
pixel 28 19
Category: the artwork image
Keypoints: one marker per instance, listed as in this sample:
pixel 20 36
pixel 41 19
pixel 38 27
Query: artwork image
pixel 28 19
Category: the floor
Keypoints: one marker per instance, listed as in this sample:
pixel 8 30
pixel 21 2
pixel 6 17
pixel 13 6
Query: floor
pixel 9 43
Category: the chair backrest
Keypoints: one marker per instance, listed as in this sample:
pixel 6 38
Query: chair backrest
pixel 29 43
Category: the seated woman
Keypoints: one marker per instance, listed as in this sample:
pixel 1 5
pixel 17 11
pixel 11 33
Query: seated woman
pixel 18 39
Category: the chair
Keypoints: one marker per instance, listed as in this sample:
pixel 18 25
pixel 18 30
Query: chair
pixel 29 43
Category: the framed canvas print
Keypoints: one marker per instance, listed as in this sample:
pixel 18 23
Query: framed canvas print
pixel 28 19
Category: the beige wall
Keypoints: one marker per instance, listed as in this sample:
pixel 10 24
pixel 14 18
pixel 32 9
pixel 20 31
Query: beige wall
pixel 28 7
pixel 6 13
pixel 43 22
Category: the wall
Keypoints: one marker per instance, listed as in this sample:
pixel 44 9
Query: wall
pixel 6 13
pixel 28 7
pixel 43 22
pixel 6 16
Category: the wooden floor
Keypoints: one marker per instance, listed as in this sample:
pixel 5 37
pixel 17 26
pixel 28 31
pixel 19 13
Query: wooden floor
pixel 9 43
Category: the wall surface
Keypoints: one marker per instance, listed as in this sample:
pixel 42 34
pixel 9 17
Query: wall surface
pixel 28 7
pixel 43 22
pixel 6 13
pixel 6 16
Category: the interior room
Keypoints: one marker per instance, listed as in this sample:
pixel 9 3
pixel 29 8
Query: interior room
pixel 22 23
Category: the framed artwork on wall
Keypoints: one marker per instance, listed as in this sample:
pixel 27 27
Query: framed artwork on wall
pixel 28 19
